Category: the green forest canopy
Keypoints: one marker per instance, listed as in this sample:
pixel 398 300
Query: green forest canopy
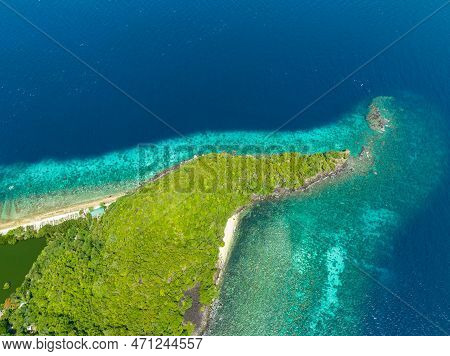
pixel 127 273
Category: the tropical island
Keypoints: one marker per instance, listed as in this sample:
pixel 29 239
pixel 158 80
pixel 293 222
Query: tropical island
pixel 149 265
pixel 152 263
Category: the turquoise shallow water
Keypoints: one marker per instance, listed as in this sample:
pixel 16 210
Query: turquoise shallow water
pixel 27 189
pixel 319 263
pixel 314 263
pixel 229 66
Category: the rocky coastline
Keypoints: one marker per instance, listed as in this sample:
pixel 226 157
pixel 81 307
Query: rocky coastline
pixel 376 121
pixel 233 222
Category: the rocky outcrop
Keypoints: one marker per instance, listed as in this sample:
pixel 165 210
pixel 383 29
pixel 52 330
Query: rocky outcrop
pixel 377 121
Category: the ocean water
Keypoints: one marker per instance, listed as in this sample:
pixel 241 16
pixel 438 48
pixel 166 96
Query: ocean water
pixel 217 66
pixel 328 262
pixel 50 184
pixel 224 74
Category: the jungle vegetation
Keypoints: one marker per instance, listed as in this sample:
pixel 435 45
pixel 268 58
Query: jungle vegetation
pixel 127 273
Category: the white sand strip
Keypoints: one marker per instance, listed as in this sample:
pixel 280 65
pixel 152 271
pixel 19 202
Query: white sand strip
pixel 225 250
pixel 56 217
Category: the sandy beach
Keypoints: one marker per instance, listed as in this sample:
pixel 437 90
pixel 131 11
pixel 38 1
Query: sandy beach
pixel 59 215
pixel 225 250
pixel 233 221
pixel 73 211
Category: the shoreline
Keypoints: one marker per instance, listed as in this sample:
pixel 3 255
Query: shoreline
pixel 60 215
pixel 228 240
pixel 232 224
pixel 376 122
pixel 229 236
pixel 69 212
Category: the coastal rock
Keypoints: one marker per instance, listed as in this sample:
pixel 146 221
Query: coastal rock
pixel 375 117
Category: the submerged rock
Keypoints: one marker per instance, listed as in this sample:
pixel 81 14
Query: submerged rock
pixel 376 115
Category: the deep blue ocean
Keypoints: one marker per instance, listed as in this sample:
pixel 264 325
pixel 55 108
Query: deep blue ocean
pixel 226 66
pixel 203 65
